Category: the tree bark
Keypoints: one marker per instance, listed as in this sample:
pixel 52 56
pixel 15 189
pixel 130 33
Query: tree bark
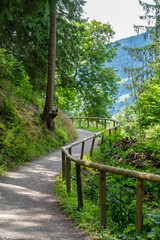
pixel 51 69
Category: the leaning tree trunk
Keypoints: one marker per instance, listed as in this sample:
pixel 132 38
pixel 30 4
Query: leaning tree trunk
pixel 51 70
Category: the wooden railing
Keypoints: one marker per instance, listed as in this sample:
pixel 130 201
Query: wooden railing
pixel 67 158
pixel 89 119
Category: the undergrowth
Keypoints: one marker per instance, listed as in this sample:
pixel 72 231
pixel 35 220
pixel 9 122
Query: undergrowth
pixel 120 194
pixel 23 135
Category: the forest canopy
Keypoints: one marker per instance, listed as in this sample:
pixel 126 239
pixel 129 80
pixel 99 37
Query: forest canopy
pixel 83 85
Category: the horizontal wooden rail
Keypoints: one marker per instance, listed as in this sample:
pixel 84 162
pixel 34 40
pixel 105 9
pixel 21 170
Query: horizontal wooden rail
pixel 67 158
pixel 115 170
pixel 93 118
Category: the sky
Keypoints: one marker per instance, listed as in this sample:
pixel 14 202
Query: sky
pixel 121 14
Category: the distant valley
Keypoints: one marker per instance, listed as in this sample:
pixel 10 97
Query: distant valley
pixel 123 59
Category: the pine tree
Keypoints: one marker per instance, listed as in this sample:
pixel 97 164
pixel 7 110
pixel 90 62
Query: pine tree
pixel 143 74
pixel 143 77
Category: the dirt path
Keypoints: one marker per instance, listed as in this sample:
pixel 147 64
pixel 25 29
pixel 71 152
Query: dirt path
pixel 28 208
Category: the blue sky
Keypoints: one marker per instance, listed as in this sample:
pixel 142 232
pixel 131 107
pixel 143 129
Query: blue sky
pixel 121 14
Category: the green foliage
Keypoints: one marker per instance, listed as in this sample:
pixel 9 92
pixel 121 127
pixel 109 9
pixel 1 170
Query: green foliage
pixel 23 136
pixel 24 31
pixel 153 132
pixel 64 124
pixel 81 52
pixel 92 125
pixel 81 79
pixel 148 146
pixel 146 79
pixel 8 111
pixel 91 74
pixel 121 204
pixel 84 217
pixel 28 138
pixel 120 196
pixel 25 38
pixel 12 69
pixel 148 102
pixel 15 80
pixel 128 120
pixel 144 73
pixel 64 98
pixel 141 123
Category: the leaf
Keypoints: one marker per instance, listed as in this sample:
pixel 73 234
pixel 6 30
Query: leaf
pixel 129 228
pixel 2 126
pixel 152 234
pixel 155 204
pixel 139 238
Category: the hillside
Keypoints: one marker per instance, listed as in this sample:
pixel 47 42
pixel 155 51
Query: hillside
pixel 123 59
pixel 23 134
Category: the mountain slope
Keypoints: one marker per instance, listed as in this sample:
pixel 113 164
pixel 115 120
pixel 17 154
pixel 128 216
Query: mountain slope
pixel 123 59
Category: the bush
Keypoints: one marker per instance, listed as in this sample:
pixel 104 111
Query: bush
pixel 13 73
pixel 12 69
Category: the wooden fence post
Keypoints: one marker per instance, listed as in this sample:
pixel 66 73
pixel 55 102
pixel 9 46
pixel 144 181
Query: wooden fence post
pixel 115 129
pixel 63 165
pixel 68 175
pixel 79 122
pixel 102 198
pixel 119 130
pixel 68 172
pixel 110 134
pixel 115 132
pixel 79 187
pixel 139 205
pixel 82 150
pixel 105 124
pixel 88 122
pixel 92 146
pixel 96 123
pixel 102 139
pixel 70 151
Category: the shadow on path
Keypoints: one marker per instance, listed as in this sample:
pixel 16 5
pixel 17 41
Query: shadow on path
pixel 28 208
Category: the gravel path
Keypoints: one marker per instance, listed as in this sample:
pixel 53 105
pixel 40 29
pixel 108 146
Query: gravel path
pixel 28 208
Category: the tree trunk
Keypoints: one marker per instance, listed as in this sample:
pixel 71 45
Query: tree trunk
pixel 51 69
